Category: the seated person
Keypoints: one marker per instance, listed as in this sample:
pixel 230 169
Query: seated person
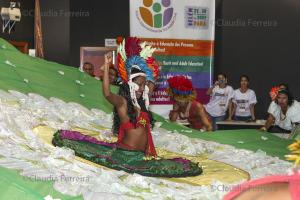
pixel 220 100
pixel 132 120
pixel 274 90
pixel 244 100
pixel 134 151
pixel 284 113
pixel 88 68
pixel 185 106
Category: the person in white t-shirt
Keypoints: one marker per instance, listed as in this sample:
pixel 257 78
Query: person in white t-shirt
pixel 244 100
pixel 284 113
pixel 220 100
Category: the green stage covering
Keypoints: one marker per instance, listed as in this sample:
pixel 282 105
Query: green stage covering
pixel 16 187
pixel 32 75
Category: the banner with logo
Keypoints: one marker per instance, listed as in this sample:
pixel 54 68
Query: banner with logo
pixel 183 34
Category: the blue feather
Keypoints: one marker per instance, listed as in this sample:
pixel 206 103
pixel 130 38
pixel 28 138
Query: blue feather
pixel 139 61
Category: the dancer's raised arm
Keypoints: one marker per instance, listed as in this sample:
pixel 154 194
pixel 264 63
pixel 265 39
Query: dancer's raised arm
pixel 114 99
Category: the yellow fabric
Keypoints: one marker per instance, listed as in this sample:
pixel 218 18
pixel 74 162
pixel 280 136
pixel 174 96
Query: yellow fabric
pixel 212 170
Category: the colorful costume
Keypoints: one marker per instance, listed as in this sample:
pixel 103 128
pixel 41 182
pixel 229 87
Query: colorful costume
pixel 142 121
pixel 112 156
pixel 134 60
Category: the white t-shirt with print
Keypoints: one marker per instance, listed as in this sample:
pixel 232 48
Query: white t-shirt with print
pixel 243 102
pixel 219 101
pixel 292 115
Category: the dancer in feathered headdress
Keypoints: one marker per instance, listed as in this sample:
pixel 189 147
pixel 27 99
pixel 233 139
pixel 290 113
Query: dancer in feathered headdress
pixel 137 69
pixel 132 121
pixel 186 107
pixel 134 60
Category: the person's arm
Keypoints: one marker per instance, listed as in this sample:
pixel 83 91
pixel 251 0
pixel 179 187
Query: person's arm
pixel 253 101
pixel 114 99
pixel 230 110
pixel 173 115
pixel 210 90
pixel 203 116
pixel 269 123
pixel 234 106
pixel 252 111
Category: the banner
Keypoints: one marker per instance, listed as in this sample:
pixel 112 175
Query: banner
pixel 183 33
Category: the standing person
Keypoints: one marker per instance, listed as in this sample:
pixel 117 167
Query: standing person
pixel 284 113
pixel 220 100
pixel 244 100
pixel 186 107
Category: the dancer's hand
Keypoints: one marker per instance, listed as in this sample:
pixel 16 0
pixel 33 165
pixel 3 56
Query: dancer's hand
pixel 108 58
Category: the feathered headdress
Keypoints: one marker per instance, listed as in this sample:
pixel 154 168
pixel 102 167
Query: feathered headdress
pixel 134 55
pixel 181 88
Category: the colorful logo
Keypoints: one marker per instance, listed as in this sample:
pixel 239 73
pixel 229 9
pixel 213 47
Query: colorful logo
pixel 156 15
pixel 196 17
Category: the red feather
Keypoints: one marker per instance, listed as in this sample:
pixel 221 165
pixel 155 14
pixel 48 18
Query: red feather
pixel 132 47
pixel 180 83
pixel 121 68
pixel 153 66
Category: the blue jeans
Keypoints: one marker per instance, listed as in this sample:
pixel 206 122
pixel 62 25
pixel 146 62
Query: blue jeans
pixel 215 120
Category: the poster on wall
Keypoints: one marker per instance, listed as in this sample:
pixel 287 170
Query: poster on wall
pixel 183 34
